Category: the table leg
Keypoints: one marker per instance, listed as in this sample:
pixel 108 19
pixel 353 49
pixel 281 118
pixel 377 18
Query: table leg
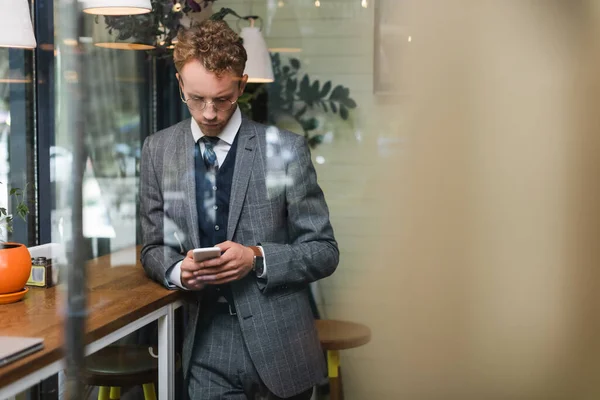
pixel 166 355
pixel 333 371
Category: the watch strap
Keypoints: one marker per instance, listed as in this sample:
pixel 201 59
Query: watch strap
pixel 256 251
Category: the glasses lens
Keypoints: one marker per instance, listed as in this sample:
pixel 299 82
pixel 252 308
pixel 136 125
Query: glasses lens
pixel 198 105
pixel 222 105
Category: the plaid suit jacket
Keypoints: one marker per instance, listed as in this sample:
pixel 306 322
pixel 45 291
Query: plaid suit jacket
pixel 275 202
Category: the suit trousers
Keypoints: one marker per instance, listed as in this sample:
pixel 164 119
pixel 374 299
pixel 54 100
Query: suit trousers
pixel 221 367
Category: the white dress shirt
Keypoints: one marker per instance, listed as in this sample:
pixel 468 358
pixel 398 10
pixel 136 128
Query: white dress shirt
pixel 221 149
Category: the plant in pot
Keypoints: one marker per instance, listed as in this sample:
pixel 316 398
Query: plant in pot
pixel 15 260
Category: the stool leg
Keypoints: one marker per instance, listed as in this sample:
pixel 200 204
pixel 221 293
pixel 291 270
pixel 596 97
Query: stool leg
pixel 103 393
pixel 333 371
pixel 115 393
pixel 149 391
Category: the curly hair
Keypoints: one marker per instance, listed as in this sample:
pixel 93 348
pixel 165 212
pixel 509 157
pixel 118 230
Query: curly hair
pixel 214 44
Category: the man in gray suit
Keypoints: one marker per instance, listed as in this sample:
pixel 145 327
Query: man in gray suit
pixel 219 179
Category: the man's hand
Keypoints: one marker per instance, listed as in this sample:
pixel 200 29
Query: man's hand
pixel 235 263
pixel 188 268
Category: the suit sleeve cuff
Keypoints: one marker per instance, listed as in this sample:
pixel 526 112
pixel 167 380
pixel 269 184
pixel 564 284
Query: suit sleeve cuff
pixel 264 274
pixel 174 277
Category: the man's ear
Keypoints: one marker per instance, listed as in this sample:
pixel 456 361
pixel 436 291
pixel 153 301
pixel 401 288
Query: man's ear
pixel 178 77
pixel 243 82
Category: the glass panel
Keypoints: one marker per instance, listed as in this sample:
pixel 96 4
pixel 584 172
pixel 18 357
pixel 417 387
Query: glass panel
pixel 102 117
pixel 113 83
pixel 16 146
pixel 5 123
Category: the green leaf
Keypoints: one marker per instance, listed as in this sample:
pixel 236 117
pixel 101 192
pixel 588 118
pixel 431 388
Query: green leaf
pixel 315 140
pixel 324 105
pixel 325 90
pixel 337 93
pixel 292 84
pixel 301 112
pixel 309 124
pixel 295 63
pixel 286 69
pixel 348 102
pixel 304 92
pixel 22 211
pixel 2 211
pixel 314 90
pixel 304 85
pixel 276 59
pixel 333 106
pixel 343 112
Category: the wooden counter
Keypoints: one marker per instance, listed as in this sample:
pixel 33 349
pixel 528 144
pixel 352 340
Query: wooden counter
pixel 119 294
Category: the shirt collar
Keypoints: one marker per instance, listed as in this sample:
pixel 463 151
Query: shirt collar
pixel 229 132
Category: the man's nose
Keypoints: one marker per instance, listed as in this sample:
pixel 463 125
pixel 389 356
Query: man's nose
pixel 209 111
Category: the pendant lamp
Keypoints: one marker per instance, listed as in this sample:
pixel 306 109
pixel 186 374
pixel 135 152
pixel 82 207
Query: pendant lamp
pixel 258 67
pixel 116 7
pixel 16 29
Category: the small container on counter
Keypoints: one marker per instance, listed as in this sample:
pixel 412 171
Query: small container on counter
pixel 42 274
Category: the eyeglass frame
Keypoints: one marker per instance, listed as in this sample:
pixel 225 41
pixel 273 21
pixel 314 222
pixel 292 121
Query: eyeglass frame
pixel 204 102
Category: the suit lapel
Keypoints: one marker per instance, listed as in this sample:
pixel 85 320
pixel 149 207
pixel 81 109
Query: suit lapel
pixel 244 160
pixel 188 180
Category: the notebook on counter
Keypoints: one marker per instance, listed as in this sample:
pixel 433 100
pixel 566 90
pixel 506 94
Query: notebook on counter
pixel 14 347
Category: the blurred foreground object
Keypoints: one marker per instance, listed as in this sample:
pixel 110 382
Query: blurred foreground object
pixel 493 218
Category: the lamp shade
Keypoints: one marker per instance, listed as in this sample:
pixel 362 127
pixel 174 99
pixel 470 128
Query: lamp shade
pixel 16 29
pixel 258 66
pixel 116 7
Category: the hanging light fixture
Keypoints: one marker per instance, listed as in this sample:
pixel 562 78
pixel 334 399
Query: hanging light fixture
pixel 284 37
pixel 116 7
pixel 258 67
pixel 16 29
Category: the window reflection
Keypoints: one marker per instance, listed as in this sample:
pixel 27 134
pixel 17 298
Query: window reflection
pixel 113 114
pixel 4 129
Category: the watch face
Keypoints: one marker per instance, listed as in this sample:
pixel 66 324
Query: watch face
pixel 259 267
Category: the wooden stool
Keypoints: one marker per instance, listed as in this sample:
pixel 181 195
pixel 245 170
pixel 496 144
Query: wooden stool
pixel 335 336
pixel 114 367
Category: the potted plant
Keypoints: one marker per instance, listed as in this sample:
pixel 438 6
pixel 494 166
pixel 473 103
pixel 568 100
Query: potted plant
pixel 15 260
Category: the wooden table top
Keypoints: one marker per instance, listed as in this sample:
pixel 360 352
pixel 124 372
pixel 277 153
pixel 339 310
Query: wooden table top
pixel 340 335
pixel 119 293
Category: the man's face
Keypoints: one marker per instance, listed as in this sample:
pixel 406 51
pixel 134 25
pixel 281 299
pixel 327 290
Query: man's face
pixel 218 92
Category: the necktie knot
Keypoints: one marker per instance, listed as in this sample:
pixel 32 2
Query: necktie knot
pixel 212 140
pixel 210 158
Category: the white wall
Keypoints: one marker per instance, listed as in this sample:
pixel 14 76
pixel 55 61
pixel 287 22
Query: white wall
pixel 337 41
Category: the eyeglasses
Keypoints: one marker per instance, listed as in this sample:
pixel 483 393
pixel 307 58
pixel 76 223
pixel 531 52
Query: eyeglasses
pixel 199 104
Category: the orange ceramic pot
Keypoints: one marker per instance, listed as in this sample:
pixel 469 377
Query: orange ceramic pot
pixel 15 267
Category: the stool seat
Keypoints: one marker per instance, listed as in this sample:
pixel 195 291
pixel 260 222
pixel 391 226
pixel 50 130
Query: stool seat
pixel 335 336
pixel 122 365
pixel 341 335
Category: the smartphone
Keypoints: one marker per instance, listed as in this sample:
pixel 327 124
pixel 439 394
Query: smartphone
pixel 206 253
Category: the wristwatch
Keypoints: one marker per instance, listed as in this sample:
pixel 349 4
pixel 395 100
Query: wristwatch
pixel 258 264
